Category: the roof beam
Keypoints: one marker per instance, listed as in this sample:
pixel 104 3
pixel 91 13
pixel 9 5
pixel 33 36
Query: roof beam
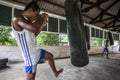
pixel 88 2
pixel 106 26
pixel 104 19
pixel 110 6
pixel 54 3
pixel 114 26
pixel 115 29
pixel 104 11
pixel 87 16
pixel 92 18
pixel 97 3
pixel 19 2
pixel 117 17
pixel 92 6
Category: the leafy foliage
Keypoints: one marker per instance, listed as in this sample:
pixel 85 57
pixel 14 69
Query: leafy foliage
pixel 48 39
pixel 44 39
pixel 6 37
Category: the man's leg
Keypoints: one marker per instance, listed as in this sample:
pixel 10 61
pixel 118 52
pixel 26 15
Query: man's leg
pixel 103 52
pixel 30 76
pixel 107 55
pixel 50 59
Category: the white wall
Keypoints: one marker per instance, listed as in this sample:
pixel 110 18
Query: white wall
pixel 13 52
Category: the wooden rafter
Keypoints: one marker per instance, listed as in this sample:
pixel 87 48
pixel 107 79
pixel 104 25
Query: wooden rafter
pixel 103 20
pixel 117 17
pixel 104 17
pixel 103 11
pixel 54 4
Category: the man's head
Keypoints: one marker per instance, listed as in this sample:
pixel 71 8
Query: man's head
pixel 32 10
pixel 32 5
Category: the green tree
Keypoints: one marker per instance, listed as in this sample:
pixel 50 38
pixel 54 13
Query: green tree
pixel 48 39
pixel 6 37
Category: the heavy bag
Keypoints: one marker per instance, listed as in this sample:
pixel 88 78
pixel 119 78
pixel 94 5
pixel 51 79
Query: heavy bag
pixel 87 38
pixel 107 42
pixel 119 48
pixel 76 34
pixel 110 38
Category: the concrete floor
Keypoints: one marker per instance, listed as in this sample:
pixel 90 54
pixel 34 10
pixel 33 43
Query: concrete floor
pixel 99 68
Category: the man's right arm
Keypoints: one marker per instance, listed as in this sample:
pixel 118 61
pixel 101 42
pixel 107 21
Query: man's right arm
pixel 19 24
pixel 33 27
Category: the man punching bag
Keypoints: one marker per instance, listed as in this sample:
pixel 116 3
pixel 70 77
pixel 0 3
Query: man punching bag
pixel 76 34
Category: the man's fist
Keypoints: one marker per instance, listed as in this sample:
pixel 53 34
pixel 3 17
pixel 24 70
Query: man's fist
pixel 44 16
pixel 44 19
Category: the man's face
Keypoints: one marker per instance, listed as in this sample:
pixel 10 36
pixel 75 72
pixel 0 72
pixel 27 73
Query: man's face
pixel 34 14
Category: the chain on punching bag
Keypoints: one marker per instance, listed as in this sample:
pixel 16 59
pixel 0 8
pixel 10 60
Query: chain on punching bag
pixel 76 34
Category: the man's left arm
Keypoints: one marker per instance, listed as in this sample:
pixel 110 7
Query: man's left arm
pixel 43 21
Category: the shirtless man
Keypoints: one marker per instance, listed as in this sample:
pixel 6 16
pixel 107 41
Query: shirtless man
pixel 25 29
pixel 106 49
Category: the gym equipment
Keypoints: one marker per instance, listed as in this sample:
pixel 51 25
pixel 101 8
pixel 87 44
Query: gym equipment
pixel 107 42
pixel 119 48
pixel 3 63
pixel 110 38
pixel 76 34
pixel 87 38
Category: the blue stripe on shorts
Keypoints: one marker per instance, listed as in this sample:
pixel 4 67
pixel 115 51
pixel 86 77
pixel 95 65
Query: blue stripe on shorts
pixel 30 69
pixel 42 55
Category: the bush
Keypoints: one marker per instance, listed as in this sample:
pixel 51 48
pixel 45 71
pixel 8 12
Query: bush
pixel 6 37
pixel 45 38
pixel 48 39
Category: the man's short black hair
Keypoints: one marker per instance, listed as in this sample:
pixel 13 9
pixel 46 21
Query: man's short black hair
pixel 32 5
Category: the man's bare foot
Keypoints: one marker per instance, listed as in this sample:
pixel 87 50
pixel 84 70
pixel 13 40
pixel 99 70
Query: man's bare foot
pixel 58 72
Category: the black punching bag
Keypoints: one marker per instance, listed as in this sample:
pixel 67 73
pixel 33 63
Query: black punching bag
pixel 119 48
pixel 110 38
pixel 87 37
pixel 119 45
pixel 76 34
